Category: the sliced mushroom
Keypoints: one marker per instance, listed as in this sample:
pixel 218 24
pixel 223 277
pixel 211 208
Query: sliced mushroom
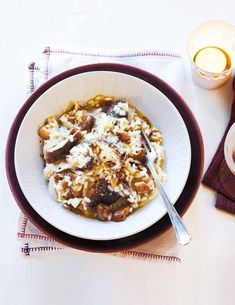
pixel 102 193
pixel 105 194
pixel 92 195
pixel 88 123
pixel 104 212
pixel 59 151
pixel 70 106
pixel 77 135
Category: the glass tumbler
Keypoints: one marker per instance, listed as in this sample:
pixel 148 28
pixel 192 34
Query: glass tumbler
pixel 211 48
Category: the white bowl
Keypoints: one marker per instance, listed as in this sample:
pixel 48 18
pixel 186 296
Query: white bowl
pixel 152 102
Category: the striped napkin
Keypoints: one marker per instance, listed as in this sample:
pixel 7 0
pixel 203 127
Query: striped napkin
pixel 168 66
pixel 218 172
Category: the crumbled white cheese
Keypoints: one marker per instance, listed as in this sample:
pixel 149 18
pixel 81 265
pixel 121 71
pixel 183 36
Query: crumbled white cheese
pixel 136 141
pixel 74 202
pixel 104 123
pixel 109 154
pixel 133 198
pixel 122 124
pixel 68 180
pixel 86 200
pixel 112 139
pixel 85 203
pixel 50 169
pixel 81 177
pixel 79 156
pixel 121 108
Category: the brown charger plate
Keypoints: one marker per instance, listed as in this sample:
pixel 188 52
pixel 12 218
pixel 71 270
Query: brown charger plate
pixel 183 201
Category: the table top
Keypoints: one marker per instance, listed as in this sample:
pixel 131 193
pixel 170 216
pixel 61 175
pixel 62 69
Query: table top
pixel 207 271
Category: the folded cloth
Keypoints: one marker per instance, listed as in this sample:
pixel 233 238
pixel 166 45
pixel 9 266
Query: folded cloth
pixel 218 171
pixel 166 65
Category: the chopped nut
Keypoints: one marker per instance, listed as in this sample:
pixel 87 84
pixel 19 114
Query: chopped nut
pixel 99 98
pixel 101 101
pixel 76 190
pixel 64 184
pixel 114 182
pixel 108 99
pixel 96 149
pixel 120 175
pixel 76 194
pixel 77 106
pixel 51 120
pixel 121 213
pixel 104 212
pixel 91 103
pixel 140 156
pixel 70 106
pixel 138 127
pixel 155 136
pixel 142 188
pixel 44 133
pixel 124 137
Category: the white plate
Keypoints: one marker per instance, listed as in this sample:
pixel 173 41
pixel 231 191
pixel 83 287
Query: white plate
pixel 156 106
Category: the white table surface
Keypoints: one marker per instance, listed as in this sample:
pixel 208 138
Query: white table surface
pixel 206 274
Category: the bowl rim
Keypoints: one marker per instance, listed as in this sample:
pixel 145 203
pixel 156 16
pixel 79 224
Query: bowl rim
pixel 55 233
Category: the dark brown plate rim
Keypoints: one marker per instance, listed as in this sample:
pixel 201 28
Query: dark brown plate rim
pixel 160 226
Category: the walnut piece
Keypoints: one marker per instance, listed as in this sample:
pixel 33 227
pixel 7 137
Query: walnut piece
pixel 142 188
pixel 104 212
pixel 140 156
pixel 124 137
pixel 121 214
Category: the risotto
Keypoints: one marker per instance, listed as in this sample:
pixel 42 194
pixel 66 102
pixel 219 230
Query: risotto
pixel 95 160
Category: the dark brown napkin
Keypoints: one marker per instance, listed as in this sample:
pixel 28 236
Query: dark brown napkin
pixel 218 172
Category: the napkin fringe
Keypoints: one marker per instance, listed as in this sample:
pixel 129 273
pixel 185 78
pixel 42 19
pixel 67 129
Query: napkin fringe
pixel 22 225
pixel 147 256
pixel 134 53
pixel 26 250
pixel 32 69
